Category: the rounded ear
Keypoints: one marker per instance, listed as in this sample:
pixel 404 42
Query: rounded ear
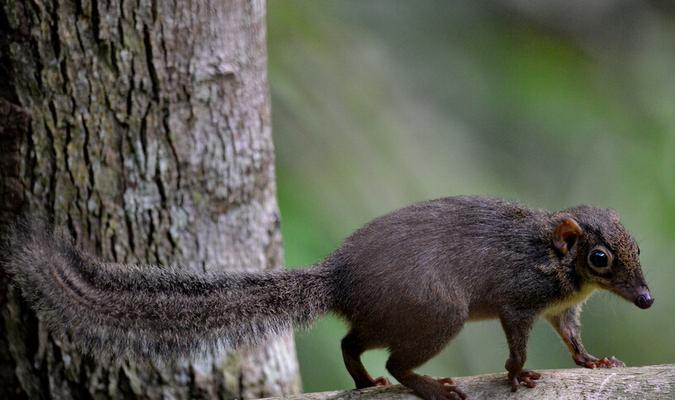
pixel 566 234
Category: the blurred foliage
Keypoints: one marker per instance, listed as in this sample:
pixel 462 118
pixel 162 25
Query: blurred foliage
pixel 378 104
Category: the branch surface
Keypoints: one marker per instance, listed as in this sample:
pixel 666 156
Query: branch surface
pixel 647 383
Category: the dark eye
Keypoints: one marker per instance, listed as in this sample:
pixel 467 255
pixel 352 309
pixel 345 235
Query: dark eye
pixel 598 258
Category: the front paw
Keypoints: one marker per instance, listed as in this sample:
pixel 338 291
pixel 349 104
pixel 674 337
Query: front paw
pixel 588 361
pixel 525 377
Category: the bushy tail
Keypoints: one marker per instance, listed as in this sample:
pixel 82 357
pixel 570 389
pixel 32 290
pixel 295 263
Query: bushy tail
pixel 112 309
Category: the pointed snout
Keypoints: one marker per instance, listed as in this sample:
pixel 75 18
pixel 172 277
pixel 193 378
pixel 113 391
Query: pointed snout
pixel 638 294
pixel 644 298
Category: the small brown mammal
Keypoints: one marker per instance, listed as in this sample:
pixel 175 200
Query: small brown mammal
pixel 407 281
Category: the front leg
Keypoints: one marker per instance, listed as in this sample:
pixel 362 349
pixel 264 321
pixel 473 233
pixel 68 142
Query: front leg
pixel 568 327
pixel 517 325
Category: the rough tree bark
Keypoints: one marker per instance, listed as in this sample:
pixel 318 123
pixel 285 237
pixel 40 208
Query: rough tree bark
pixel 144 128
pixel 646 383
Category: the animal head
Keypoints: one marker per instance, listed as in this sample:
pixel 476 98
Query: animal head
pixel 604 252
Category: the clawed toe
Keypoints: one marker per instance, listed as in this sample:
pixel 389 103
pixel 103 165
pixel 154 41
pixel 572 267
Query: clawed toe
pixel 530 374
pixel 526 378
pixel 606 362
pixel 428 387
pixel 450 389
pixel 442 381
pixel 381 381
pixel 453 393
pixel 446 381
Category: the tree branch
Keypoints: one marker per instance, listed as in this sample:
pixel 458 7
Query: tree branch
pixel 649 382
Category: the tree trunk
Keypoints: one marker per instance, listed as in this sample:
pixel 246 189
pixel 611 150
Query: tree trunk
pixel 144 128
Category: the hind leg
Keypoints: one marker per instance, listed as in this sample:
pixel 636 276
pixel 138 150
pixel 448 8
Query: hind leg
pixel 401 364
pixel 410 354
pixel 352 348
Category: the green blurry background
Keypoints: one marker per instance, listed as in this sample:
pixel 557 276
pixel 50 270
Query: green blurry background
pixel 378 104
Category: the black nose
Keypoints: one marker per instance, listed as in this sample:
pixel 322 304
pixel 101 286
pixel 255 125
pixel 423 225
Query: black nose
pixel 644 301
